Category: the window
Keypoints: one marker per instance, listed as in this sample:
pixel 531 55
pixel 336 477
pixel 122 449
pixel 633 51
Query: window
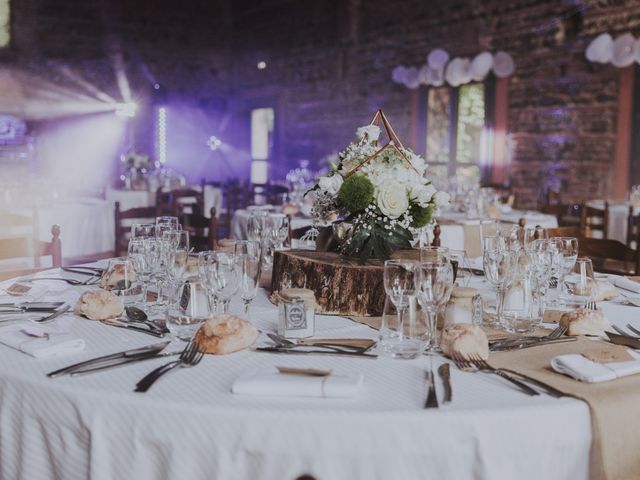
pixel 456 121
pixel 262 124
pixel 5 23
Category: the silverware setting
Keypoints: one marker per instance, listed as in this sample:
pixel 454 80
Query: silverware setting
pixel 29 307
pixel 137 326
pixel 475 364
pixel 432 398
pixel 122 362
pixel 90 281
pixel 284 343
pixel 146 350
pixel 296 351
pixel 189 357
pixel 556 336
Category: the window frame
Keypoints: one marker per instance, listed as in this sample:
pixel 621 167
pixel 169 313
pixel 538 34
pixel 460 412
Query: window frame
pixel 486 153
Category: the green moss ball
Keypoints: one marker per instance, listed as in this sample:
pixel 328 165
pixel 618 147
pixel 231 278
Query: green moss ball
pixel 421 216
pixel 356 193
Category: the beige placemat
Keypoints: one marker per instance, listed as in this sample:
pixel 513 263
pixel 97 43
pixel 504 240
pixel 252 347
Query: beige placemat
pixel 614 405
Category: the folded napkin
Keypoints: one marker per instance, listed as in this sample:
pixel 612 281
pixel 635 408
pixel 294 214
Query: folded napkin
pixel 59 342
pixel 627 284
pixel 271 382
pixel 589 371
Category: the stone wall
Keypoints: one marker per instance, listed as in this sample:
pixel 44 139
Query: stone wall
pixel 329 64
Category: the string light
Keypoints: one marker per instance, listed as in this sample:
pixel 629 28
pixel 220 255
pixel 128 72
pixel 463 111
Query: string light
pixel 161 135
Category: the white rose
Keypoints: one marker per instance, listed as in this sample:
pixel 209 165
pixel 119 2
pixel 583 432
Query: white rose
pixel 331 184
pixel 392 200
pixel 372 132
pixel 441 199
pixel 422 194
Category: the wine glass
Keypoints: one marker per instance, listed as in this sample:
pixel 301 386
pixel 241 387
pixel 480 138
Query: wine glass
pixel 178 252
pixel 567 248
pixel 499 267
pixel 433 284
pixel 143 230
pixel 189 307
pixel 531 234
pixel 399 286
pixel 225 278
pixel 249 265
pixel 430 253
pixel 168 220
pixel 278 229
pixel 142 266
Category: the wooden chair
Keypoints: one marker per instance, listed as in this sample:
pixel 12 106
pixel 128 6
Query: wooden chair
pixel 203 231
pixel 177 202
pixel 564 232
pixel 24 247
pixel 123 231
pixel 235 196
pixel 594 220
pixel 610 256
pixel 276 194
pixel 633 229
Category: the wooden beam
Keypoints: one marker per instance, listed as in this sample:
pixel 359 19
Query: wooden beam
pixel 622 162
pixel 500 129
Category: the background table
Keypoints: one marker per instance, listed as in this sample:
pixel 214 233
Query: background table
pixel 144 198
pixel 189 425
pixel 240 219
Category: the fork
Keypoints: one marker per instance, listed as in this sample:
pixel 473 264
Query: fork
pixel 550 389
pixel 190 356
pixel 622 332
pixel 633 329
pixel 475 363
pixel 590 305
pixel 553 335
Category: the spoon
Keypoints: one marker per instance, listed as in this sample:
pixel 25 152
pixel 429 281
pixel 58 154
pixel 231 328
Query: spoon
pixel 138 315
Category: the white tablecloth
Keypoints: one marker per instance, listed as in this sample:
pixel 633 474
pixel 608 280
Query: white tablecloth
pixel 143 198
pixel 452 233
pixel 190 426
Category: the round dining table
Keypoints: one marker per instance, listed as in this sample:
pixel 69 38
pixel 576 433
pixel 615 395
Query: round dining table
pixel 190 425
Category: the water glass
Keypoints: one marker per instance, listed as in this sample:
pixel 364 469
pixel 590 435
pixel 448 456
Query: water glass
pixel 430 253
pixel 567 248
pixel 225 278
pixel 521 310
pixel 142 263
pixel 580 283
pixel 189 307
pixel 433 284
pixel 499 268
pixel 406 339
pixel 250 267
pixel 143 230
pixel 532 234
pixel 278 229
pixel 399 286
pixel 119 278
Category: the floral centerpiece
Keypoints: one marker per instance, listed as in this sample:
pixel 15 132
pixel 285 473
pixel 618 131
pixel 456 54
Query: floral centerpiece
pixel 381 191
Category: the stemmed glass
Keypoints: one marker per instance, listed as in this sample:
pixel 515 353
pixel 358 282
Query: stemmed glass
pixel 542 253
pixel 567 248
pixel 189 307
pixel 249 264
pixel 164 224
pixel 399 286
pixel 430 253
pixel 143 230
pixel 141 257
pixel 433 284
pixel 206 262
pixel 177 243
pixel 225 278
pixel 532 234
pixel 499 267
pixel 278 229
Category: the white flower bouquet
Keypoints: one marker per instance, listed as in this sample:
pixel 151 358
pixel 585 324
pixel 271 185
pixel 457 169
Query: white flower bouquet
pixel 381 191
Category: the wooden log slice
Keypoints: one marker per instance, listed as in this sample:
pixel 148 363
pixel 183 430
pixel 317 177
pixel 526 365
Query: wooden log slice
pixel 342 285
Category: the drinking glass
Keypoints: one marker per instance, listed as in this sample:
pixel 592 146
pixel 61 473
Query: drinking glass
pixel 249 265
pixel 521 309
pixel 165 224
pixel 567 248
pixel 225 278
pixel 206 262
pixel 580 282
pixel 434 254
pixel 143 230
pixel 278 229
pixel 406 340
pixel 433 284
pixel 399 287
pixel 189 307
pixel 119 278
pixel 542 256
pixel 531 234
pixel 178 252
pixel 499 267
pixel 142 265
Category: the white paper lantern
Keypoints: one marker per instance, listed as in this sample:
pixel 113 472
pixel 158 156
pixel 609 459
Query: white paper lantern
pixel 481 66
pixel 423 75
pixel 503 65
pixel 398 74
pixel 437 58
pixel 435 77
pixel 412 79
pixel 457 72
pixel 623 50
pixel 600 49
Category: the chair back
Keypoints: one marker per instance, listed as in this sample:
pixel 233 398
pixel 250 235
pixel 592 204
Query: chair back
pixel 594 220
pixel 633 229
pixel 24 247
pixel 235 196
pixel 123 221
pixel 610 256
pixel 203 231
pixel 564 232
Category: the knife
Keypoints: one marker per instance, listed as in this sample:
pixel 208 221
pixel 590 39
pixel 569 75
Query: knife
pixel 622 340
pixel 30 307
pixel 432 398
pixel 313 352
pixel 119 362
pixel 80 271
pixel 141 351
pixel 117 323
pixel 444 371
pixel 529 344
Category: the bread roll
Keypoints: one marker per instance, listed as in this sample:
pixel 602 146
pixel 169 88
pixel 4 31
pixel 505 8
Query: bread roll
pixel 225 334
pixel 99 305
pixel 585 322
pixel 464 339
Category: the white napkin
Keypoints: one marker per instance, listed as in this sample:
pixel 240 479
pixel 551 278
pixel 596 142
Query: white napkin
pixel 625 283
pixel 60 342
pixel 271 382
pixel 585 370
